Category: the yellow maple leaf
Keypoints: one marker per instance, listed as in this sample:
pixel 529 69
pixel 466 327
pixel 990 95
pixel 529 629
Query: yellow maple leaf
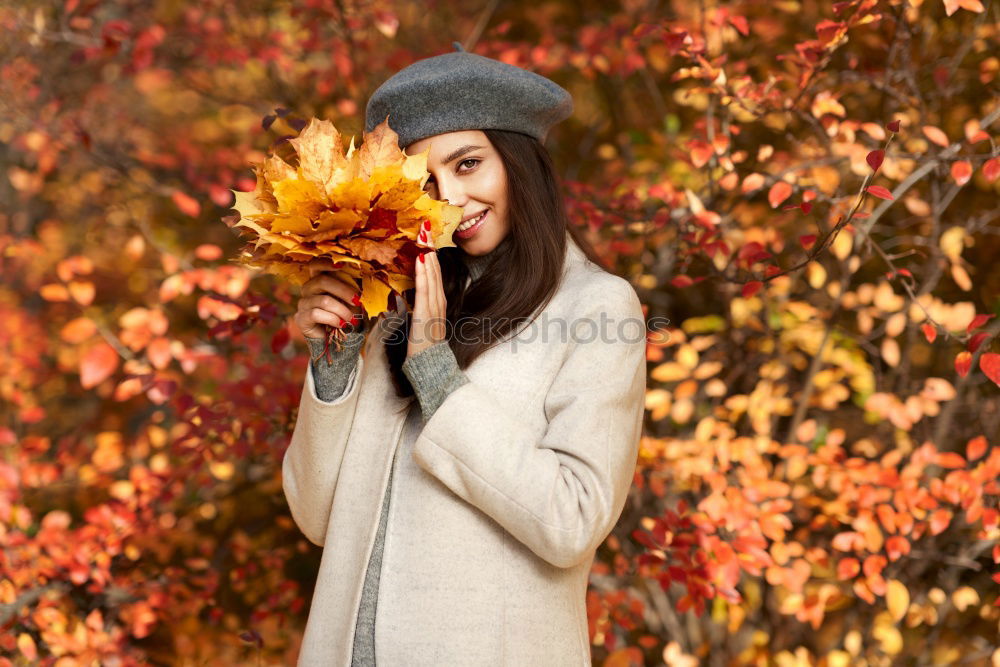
pixel 357 214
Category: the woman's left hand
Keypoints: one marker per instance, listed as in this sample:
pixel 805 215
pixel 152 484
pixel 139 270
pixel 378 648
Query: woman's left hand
pixel 430 308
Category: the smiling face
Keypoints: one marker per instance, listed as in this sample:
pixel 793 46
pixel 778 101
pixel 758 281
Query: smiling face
pixel 468 172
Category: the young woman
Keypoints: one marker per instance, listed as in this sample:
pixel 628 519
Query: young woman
pixel 461 464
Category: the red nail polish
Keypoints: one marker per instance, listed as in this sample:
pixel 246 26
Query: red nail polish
pixel 341 321
pixel 354 320
pixel 355 300
pixel 427 225
pixel 421 259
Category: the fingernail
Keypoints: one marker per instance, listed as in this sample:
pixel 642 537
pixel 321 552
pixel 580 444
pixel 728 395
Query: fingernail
pixel 341 321
pixel 427 224
pixel 421 259
pixel 355 300
pixel 354 320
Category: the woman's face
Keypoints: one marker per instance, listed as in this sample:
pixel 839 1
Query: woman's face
pixel 466 171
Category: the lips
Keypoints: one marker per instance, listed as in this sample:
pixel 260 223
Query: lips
pixel 474 229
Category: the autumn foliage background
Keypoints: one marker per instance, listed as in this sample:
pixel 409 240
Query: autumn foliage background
pixel 818 477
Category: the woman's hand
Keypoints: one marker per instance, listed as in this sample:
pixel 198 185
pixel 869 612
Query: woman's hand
pixel 430 308
pixel 326 300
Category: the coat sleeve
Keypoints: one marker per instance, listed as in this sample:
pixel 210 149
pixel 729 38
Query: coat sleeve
pixel 559 495
pixel 311 464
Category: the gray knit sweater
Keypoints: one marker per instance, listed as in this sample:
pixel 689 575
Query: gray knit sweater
pixel 434 374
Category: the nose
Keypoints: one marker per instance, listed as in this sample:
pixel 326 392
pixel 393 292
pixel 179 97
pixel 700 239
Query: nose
pixel 451 191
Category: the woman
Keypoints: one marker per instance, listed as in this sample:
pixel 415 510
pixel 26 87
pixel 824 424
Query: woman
pixel 462 532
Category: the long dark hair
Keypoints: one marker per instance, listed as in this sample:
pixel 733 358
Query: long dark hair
pixel 523 271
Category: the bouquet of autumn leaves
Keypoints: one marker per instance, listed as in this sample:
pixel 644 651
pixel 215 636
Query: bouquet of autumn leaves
pixel 358 214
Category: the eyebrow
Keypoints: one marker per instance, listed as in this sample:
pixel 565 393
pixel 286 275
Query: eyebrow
pixel 460 152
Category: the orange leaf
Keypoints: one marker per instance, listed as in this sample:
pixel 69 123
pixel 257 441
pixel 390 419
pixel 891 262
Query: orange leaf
pixel 972 5
pixel 950 460
pixel 54 292
pixel 930 333
pixel 778 193
pixel 989 364
pixel 752 182
pixel 940 521
pixel 848 568
pixel 208 251
pixel 961 171
pixel 78 330
pixel 82 292
pixel 700 152
pixel 976 447
pixel 158 352
pixel 963 362
pixel 936 135
pixel 97 365
pixel 187 204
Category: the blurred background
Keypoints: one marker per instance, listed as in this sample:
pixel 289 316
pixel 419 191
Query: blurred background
pixel 806 191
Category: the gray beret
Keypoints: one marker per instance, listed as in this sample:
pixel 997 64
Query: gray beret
pixel 466 91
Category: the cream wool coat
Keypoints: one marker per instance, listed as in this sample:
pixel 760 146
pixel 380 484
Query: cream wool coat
pixel 497 507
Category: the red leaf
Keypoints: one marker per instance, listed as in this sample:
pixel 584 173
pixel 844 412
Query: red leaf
pixel 978 321
pixel 778 193
pixel 751 288
pixel 963 362
pixel 989 363
pixel 976 341
pixel 681 281
pixel 740 23
pixel 279 340
pixel 97 364
pixel 806 207
pixel 188 205
pixel 772 270
pixel 893 126
pixel 807 240
pixel 961 171
pixel 991 169
pixel 879 192
pixel 930 332
pixel 875 159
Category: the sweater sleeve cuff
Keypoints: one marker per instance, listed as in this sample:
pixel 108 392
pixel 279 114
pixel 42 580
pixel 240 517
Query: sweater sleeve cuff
pixel 331 378
pixel 434 374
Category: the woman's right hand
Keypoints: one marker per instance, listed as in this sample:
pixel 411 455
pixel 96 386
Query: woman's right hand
pixel 325 299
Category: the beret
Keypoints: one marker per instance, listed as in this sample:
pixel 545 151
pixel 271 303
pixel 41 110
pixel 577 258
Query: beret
pixel 466 91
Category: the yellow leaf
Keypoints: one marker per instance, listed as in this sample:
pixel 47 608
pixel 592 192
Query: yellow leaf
pixel 297 193
pixel 897 599
pixel 320 151
pixel 953 242
pixel 961 277
pixel 380 147
pixel 374 295
pixel 964 597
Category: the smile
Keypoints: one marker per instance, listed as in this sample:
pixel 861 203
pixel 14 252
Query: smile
pixel 471 227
